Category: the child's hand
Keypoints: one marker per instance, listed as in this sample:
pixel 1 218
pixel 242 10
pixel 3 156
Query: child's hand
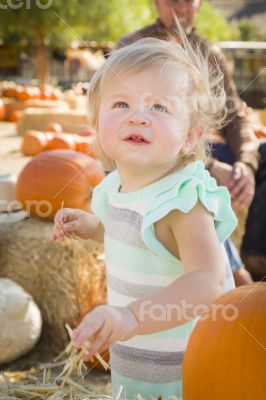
pixel 103 326
pixel 68 222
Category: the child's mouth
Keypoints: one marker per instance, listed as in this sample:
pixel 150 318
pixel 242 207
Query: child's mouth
pixel 136 140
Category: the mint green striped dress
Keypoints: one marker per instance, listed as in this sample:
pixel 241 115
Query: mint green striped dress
pixel 138 265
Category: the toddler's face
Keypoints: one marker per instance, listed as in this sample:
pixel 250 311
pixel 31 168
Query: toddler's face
pixel 143 118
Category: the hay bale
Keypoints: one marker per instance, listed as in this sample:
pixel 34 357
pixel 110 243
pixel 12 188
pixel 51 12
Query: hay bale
pixel 38 119
pixel 75 102
pixel 12 105
pixel 65 279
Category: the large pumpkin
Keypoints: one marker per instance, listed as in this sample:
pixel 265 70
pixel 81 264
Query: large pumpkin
pixel 226 356
pixel 55 178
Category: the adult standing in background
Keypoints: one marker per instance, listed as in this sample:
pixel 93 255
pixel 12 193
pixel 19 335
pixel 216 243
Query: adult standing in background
pixel 235 162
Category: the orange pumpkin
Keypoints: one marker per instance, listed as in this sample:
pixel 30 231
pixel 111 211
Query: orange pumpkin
pixel 260 132
pixel 24 94
pixel 18 91
pixel 225 356
pixel 35 92
pixel 45 92
pixel 85 145
pixel 2 110
pixel 55 94
pixel 55 127
pixel 34 142
pixel 57 176
pixel 10 91
pixel 49 136
pixel 62 141
pixel 15 115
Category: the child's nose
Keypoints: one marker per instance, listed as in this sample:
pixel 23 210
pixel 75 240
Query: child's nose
pixel 138 119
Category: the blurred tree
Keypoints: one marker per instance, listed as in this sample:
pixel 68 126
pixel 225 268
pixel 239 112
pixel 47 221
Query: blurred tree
pixel 115 18
pixel 42 20
pixel 49 23
pixel 212 24
pixel 247 29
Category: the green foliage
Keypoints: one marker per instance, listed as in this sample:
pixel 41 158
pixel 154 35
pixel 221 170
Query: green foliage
pixel 212 24
pixel 95 20
pixel 247 29
pixel 39 26
pixel 120 17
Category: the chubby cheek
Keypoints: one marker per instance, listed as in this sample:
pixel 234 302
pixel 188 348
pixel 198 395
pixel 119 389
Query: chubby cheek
pixel 107 133
pixel 169 148
pixel 170 137
pixel 105 128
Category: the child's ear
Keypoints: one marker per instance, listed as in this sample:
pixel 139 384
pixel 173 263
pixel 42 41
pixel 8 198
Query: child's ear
pixel 192 140
pixel 199 133
pixel 188 146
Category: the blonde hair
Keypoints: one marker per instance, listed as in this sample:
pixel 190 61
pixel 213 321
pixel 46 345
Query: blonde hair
pixel 206 86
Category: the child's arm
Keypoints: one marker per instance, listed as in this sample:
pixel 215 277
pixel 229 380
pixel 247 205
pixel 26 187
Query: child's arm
pixel 202 282
pixel 71 221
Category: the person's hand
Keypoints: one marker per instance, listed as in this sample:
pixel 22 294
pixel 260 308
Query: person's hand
pixel 222 172
pixel 242 184
pixel 239 180
pixel 103 326
pixel 69 222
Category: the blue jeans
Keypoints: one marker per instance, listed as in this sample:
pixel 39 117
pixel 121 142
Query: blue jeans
pixel 222 152
pixel 233 256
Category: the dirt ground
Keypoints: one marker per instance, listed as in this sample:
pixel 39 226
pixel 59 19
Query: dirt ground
pixel 12 161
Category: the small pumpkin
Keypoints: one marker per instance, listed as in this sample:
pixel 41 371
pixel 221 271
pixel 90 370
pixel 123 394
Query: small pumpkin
pixel 10 91
pixel 225 356
pixel 85 145
pixel 57 177
pixel 62 141
pixel 55 94
pixel 33 142
pixel 260 132
pixel 24 94
pixel 55 127
pixel 15 115
pixel 18 91
pixel 2 110
pixel 35 92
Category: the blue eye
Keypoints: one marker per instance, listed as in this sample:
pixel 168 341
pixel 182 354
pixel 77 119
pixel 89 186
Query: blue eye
pixel 120 104
pixel 159 107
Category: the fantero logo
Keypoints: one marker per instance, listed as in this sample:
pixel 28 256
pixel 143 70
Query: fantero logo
pixel 27 4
